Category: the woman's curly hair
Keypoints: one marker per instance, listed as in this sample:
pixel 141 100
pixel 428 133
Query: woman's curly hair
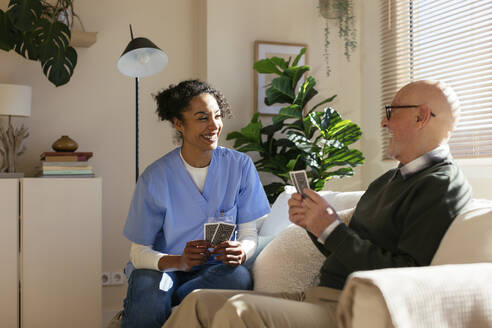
pixel 173 101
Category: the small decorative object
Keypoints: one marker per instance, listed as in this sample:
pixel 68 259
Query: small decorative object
pixel 267 50
pixel 64 144
pixel 15 100
pixel 343 12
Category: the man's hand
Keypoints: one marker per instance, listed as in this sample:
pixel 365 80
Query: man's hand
pixel 195 253
pixel 230 252
pixel 312 213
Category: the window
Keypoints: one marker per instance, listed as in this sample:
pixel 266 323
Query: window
pixel 447 40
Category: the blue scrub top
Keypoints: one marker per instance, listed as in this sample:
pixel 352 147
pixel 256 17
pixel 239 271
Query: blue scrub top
pixel 168 210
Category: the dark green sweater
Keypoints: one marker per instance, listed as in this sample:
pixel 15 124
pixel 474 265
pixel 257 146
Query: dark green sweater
pixel 397 222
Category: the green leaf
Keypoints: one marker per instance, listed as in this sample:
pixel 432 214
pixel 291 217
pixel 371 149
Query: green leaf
pixel 270 65
pixel 279 92
pixel 292 163
pixel 339 173
pixel 302 143
pixel 285 143
pixel 329 118
pixel 51 37
pixel 301 53
pixel 291 111
pixel 59 68
pixel 252 131
pixel 308 127
pixel 27 46
pixel 8 33
pixel 241 141
pixel 280 62
pixel 270 130
pixel 255 118
pixel 234 135
pixel 24 13
pixel 317 184
pixel 250 147
pixel 343 157
pixel 306 92
pixel 295 73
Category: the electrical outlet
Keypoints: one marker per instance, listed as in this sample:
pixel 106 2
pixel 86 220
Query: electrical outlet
pixel 106 278
pixel 113 278
pixel 118 278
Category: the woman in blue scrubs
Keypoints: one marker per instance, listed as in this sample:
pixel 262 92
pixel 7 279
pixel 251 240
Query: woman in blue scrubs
pixel 175 196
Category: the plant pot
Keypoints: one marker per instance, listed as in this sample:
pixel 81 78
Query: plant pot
pixel 327 9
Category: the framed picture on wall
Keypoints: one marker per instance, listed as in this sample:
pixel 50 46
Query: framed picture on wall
pixel 266 49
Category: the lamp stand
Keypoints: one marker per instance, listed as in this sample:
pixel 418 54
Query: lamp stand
pixel 140 58
pixel 10 147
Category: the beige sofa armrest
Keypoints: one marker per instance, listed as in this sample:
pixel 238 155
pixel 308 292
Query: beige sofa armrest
pixel 435 296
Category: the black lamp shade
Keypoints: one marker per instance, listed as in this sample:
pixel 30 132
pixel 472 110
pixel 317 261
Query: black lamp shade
pixel 142 58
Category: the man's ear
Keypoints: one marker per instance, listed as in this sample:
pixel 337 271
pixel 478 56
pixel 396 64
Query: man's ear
pixel 424 115
pixel 178 124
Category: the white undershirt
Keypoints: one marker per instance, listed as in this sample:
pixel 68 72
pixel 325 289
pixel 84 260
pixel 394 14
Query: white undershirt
pixel 144 257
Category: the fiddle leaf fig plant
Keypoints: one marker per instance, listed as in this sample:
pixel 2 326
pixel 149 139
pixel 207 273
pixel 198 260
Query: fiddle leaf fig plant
pixel 33 29
pixel 300 137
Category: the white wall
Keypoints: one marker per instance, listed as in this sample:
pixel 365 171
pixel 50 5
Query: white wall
pixel 233 26
pixel 370 78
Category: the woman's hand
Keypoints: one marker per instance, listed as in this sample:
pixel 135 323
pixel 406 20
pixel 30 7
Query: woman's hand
pixel 230 252
pixel 195 253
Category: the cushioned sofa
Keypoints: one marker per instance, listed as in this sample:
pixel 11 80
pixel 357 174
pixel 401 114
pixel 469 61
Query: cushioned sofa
pixel 455 291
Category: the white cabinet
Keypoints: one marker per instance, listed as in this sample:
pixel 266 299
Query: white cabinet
pixel 9 251
pixel 60 256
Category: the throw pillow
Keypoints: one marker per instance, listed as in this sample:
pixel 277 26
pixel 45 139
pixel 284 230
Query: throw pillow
pixel 468 237
pixel 289 263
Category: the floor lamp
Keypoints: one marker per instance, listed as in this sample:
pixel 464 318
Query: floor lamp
pixel 141 58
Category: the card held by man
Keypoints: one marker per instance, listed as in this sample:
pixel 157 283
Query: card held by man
pixel 300 181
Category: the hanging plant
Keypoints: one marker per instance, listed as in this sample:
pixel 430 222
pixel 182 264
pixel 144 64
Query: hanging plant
pixel 343 12
pixel 33 29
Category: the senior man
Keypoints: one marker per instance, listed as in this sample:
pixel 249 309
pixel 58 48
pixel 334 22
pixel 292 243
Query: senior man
pixel 398 222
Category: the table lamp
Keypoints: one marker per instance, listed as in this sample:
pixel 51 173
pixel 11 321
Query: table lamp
pixel 15 100
pixel 140 58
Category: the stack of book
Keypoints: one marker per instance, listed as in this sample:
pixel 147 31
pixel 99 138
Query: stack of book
pixel 66 164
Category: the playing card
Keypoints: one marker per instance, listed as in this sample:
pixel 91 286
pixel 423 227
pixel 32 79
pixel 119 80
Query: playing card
pixel 224 232
pixel 300 180
pixel 209 231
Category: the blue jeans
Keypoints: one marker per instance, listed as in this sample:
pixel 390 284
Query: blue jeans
pixel 151 294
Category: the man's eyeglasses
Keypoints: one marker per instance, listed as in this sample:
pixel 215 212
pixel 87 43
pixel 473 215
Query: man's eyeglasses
pixel 389 108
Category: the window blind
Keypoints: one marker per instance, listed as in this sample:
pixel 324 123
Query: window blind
pixel 446 40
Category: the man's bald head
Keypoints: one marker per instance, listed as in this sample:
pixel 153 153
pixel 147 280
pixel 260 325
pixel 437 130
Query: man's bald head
pixel 422 116
pixel 441 100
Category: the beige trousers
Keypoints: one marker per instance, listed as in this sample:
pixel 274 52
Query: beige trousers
pixel 233 308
